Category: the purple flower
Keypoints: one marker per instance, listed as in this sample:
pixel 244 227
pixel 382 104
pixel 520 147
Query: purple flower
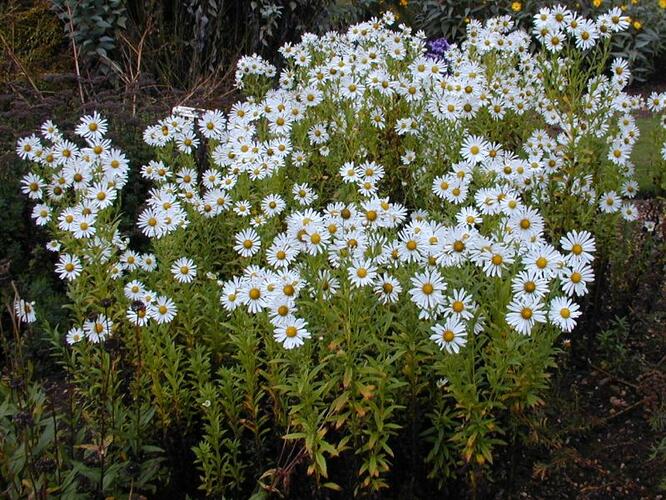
pixel 438 47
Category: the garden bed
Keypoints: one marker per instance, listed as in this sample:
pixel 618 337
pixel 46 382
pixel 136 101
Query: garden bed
pixel 342 285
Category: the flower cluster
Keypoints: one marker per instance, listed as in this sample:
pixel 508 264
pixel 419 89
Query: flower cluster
pixel 253 65
pixel 374 230
pixel 299 178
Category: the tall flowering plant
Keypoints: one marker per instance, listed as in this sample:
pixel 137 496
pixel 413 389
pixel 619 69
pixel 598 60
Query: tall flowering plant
pixel 370 265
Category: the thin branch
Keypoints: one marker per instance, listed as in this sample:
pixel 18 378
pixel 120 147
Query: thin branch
pixel 615 377
pixel 75 52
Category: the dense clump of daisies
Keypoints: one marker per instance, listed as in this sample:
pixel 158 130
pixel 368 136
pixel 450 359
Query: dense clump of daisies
pixel 479 214
pixel 334 89
pixel 74 188
pixel 369 185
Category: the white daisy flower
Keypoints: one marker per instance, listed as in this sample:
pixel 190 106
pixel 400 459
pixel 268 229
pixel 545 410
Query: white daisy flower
pixel 629 212
pixel 576 278
pixel 41 213
pixel 529 283
pixel 25 311
pixel 254 295
pixel 427 290
pixel 33 185
pixel 524 313
pixel 580 246
pixel 387 288
pixel 98 329
pixel 148 262
pixel 362 272
pixel 69 267
pixel 460 305
pixel 248 243
pixel 292 334
pixel 92 126
pixel 450 335
pixel 74 335
pixel 138 314
pixel 163 310
pixel 563 313
pixel 134 290
pixel 184 270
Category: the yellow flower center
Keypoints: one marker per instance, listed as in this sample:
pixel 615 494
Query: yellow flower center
pixel 565 312
pixel 291 331
pixel 255 293
pixel 526 313
pixel 361 272
pixel 541 262
pixel 577 249
pixel 497 259
pixel 529 286
pixel 576 277
pixel 428 288
pixel 458 306
pixel 448 335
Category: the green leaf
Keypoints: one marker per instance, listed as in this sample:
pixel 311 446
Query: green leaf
pixel 321 463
